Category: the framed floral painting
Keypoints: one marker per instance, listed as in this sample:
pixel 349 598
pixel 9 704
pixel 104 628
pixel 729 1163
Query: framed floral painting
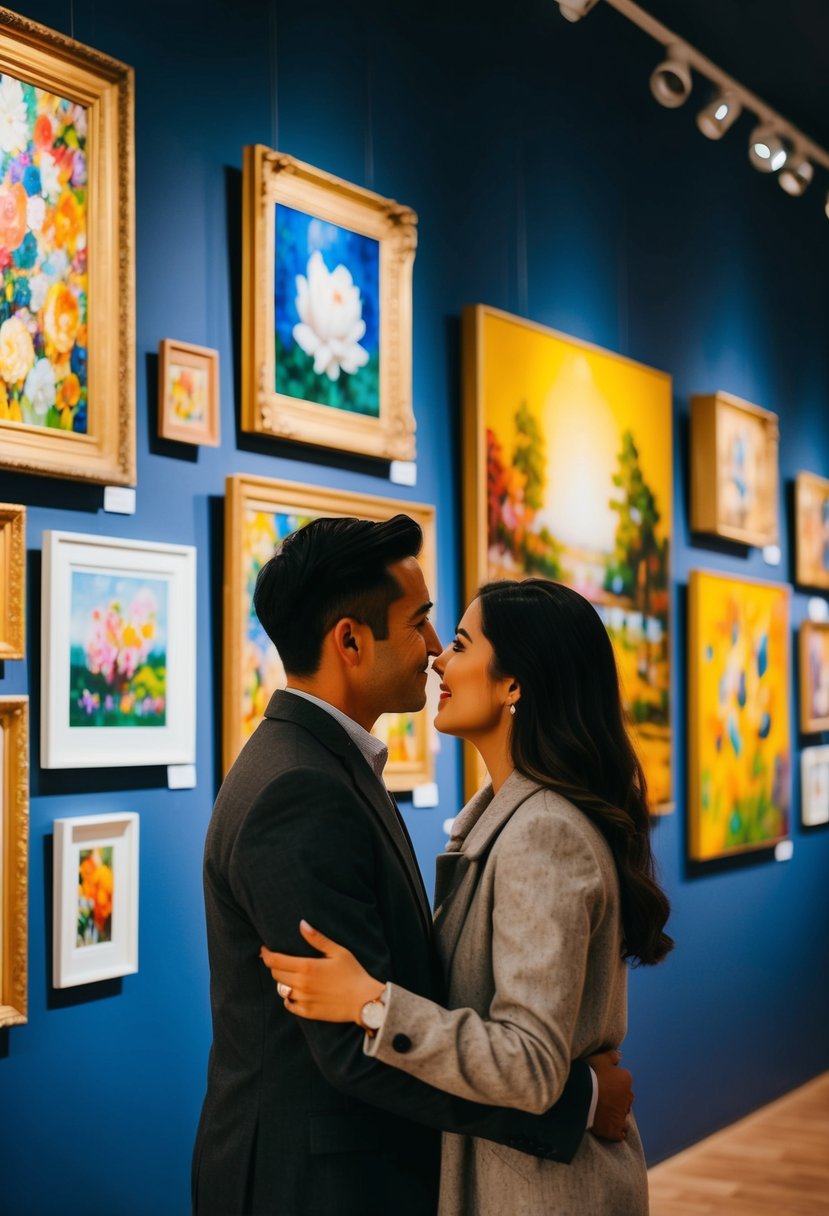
pixel 568 475
pixel 14 858
pixel 188 393
pixel 739 735
pixel 734 470
pixel 326 310
pixel 119 651
pixel 814 784
pixel 259 513
pixel 12 581
pixel 95 929
pixel 67 352
pixel 814 676
pixel 811 525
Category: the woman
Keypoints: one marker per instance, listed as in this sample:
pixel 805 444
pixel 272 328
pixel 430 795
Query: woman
pixel 546 889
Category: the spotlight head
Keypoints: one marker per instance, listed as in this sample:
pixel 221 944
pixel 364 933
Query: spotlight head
pixel 720 114
pixel 826 205
pixel 671 79
pixel 796 175
pixel 768 151
pixel 574 10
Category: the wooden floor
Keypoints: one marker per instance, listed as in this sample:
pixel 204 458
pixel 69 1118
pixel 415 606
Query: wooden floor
pixel 774 1163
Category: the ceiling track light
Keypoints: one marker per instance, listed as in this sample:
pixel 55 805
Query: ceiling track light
pixel 671 82
pixel 719 115
pixel 775 146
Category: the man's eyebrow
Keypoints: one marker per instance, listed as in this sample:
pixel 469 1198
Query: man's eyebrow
pixel 463 633
pixel 422 610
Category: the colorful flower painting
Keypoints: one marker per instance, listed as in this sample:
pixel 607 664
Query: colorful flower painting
pixel 812 530
pixel 814 676
pixel 186 395
pixel 326 313
pixel 95 894
pixel 118 650
pixel 740 762
pixel 577 488
pixel 43 258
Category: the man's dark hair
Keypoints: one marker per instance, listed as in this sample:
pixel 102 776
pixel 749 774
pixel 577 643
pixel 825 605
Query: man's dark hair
pixel 329 569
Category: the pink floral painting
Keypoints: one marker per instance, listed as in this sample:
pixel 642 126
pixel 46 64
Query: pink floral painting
pixel 43 258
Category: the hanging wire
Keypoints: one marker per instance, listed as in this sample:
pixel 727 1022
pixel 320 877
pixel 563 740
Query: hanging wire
pixel 274 82
pixel 71 18
pixel 369 133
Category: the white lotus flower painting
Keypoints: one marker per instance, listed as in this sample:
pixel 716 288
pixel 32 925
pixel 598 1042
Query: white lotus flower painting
pixel 326 313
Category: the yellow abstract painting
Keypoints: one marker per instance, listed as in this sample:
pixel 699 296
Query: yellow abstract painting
pixel 568 476
pixel 738 721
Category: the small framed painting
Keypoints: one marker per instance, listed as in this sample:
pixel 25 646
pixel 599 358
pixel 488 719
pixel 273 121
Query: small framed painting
pixel 119 648
pixel 259 513
pixel 739 736
pixel 734 470
pixel 14 858
pixel 814 783
pixel 814 677
pixel 326 310
pixel 188 393
pixel 811 516
pixel 67 249
pixel 95 899
pixel 12 581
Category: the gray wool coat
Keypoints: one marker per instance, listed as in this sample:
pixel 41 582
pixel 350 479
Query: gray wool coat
pixel 529 931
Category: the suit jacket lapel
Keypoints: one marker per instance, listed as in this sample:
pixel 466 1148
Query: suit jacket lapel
pixel 331 734
pixel 474 832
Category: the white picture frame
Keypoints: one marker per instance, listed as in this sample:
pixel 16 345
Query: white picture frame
pixel 118 688
pixel 814 786
pixel 92 939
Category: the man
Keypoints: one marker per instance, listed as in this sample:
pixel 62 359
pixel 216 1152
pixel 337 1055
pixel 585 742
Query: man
pixel 297 1120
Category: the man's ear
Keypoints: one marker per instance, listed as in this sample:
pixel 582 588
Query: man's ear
pixel 348 637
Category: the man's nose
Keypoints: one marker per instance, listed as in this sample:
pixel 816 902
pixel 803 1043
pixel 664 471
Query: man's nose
pixel 433 645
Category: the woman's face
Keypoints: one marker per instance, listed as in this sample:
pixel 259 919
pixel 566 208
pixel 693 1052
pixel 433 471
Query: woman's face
pixel 472 704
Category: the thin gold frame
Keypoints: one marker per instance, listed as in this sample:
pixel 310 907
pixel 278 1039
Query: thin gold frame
pixel 12 581
pixel 14 859
pixel 806 575
pixel 104 86
pixel 207 433
pixel 271 177
pixel 242 490
pixel 706 499
pixel 809 723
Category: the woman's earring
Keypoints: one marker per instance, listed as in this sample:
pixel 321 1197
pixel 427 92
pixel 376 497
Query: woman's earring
pixel 512 710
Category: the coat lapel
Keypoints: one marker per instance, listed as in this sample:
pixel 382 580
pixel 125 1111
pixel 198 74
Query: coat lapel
pixel 328 731
pixel 458 869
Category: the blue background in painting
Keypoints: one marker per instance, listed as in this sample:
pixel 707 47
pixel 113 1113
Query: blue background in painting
pixel 510 133
pixel 298 236
pixel 91 591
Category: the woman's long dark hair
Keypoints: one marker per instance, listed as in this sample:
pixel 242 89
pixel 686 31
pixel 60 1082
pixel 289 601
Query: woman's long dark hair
pixel 569 734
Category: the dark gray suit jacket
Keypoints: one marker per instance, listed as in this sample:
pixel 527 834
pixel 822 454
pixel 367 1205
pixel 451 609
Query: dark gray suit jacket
pixel 297 1119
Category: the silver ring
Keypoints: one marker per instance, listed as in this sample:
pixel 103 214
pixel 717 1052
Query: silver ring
pixel 284 990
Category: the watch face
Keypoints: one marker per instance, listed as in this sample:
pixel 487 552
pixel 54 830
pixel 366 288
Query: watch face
pixel 371 1014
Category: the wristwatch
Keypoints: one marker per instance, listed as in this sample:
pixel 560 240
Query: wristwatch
pixel 373 1013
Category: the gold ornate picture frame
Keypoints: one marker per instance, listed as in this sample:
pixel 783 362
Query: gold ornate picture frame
pixel 14 857
pixel 188 393
pixel 12 581
pixel 67 325
pixel 813 653
pixel 734 470
pixel 326 310
pixel 259 513
pixel 811 526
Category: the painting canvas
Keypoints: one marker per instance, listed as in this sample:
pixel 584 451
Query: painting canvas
pixel 95 916
pixel 188 393
pixel 66 217
pixel 260 513
pixel 14 858
pixel 119 652
pixel 739 731
pixel 811 514
pixel 814 676
pixel 734 469
pixel 568 465
pixel 326 310
pixel 814 781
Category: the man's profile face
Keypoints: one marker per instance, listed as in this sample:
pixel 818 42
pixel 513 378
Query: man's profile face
pixel 401 661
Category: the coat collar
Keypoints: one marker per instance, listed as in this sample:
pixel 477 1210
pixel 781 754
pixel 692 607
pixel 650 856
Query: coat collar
pixel 285 707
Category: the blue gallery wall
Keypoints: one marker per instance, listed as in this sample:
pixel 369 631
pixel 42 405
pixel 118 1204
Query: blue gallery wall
pixel 548 183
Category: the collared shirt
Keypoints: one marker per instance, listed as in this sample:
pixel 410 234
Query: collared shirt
pixel 373 750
